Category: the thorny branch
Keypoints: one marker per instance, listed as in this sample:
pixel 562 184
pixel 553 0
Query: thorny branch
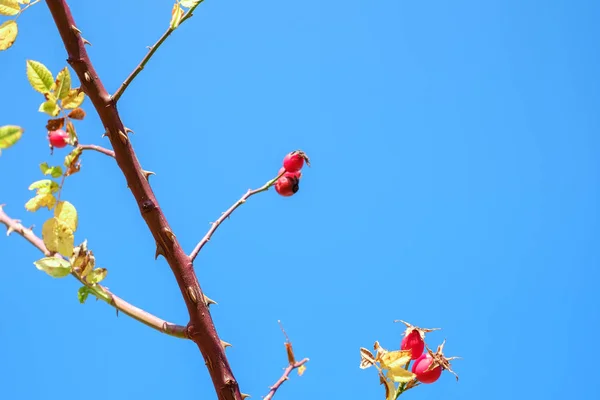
pixel 140 315
pixel 201 328
pixel 227 213
pixel 117 95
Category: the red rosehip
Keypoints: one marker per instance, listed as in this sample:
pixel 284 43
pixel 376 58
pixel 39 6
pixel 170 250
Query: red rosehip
pixel 413 342
pixel 294 161
pixel 287 185
pixel 58 138
pixel 421 369
pixel 297 174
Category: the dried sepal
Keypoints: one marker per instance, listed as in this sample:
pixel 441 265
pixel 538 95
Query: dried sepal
pixel 410 328
pixel 366 358
pixel 438 359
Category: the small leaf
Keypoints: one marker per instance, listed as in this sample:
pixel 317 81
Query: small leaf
pixel 50 107
pixel 63 83
pixel 301 370
pixel 41 200
pixel 77 113
pixel 44 186
pixel 9 135
pixel 58 237
pixel 83 293
pixel 83 260
pixel 366 358
pixel 73 100
pixel 8 34
pixel 55 172
pixel 67 213
pixel 72 157
pixel 56 267
pixel 72 133
pixel 400 375
pixel 39 77
pixel 176 15
pixel 9 7
pixel 189 3
pixel 55 124
pixel 97 275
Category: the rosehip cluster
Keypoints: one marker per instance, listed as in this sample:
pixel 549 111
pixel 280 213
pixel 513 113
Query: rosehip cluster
pixel 289 183
pixel 428 366
pixel 58 138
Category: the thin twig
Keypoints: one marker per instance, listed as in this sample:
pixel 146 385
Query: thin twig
pixel 150 53
pixel 99 149
pixel 227 213
pixel 128 309
pixel 284 377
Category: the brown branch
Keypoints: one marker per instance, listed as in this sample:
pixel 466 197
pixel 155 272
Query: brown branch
pixel 201 328
pixel 138 314
pixel 227 213
pixel 284 377
pixel 99 149
pixel 117 95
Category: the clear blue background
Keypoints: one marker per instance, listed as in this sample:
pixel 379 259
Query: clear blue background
pixel 455 184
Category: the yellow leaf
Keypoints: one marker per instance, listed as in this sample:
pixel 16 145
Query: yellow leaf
pixel 49 107
pixel 73 99
pixel 301 370
pixel 56 267
pixel 44 186
pixel 176 15
pixel 63 83
pixel 9 7
pixel 189 3
pixel 58 237
pixel 8 34
pixel 41 200
pixel 97 275
pixel 39 77
pixel 394 359
pixel 67 213
pixel 9 135
pixel 400 375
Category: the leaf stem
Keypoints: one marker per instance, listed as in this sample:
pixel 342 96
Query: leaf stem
pixel 284 377
pixel 99 149
pixel 117 95
pixel 227 213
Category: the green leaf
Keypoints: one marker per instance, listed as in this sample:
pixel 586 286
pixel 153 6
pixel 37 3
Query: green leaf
pixel 63 83
pixel 9 7
pixel 55 172
pixel 50 107
pixel 97 275
pixel 9 135
pixel 67 213
pixel 44 186
pixel 8 34
pixel 41 200
pixel 73 100
pixel 39 77
pixel 56 267
pixel 83 293
pixel 58 237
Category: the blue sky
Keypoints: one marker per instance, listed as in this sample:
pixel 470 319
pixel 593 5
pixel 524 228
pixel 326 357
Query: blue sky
pixel 454 184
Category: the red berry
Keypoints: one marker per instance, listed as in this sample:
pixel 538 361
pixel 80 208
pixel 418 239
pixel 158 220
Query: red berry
pixel 58 138
pixel 413 342
pixel 294 161
pixel 287 185
pixel 420 369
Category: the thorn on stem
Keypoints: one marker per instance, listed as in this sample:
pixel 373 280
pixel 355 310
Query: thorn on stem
pixel 147 174
pixel 159 251
pixel 208 301
pixel 127 130
pixel 74 28
pixel 85 41
pixel 245 396
pixel 123 137
pixel 169 234
pixel 225 345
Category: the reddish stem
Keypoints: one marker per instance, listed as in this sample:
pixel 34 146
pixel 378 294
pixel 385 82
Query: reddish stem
pixel 201 328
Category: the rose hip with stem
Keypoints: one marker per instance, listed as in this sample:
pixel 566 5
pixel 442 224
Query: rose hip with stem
pixel 58 138
pixel 294 161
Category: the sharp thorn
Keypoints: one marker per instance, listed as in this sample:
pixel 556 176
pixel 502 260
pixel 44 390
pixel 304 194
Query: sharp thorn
pixel 123 137
pixel 147 174
pixel 159 251
pixel 127 130
pixel 208 301
pixel 225 345
pixel 85 41
pixel 245 396
pixel 75 29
